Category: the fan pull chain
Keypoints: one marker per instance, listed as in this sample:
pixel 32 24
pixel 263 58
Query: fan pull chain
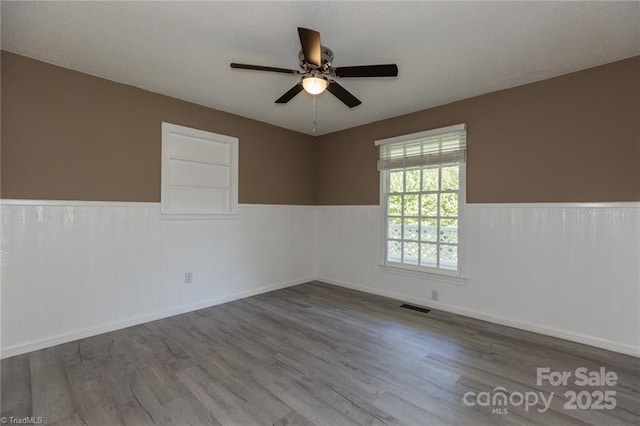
pixel 314 114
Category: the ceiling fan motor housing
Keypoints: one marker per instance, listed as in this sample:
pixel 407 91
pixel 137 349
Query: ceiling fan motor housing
pixel 325 62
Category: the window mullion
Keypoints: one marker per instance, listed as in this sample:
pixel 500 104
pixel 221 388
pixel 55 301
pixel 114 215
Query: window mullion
pixel 439 208
pixel 402 208
pixel 420 214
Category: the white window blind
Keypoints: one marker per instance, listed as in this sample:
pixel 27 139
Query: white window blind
pixel 444 145
pixel 422 181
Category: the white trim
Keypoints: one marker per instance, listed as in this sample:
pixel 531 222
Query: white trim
pixel 117 325
pixel 547 331
pixel 563 205
pixel 295 206
pixel 348 206
pixel 576 205
pixel 423 273
pixel 79 203
pixel 426 133
pixel 74 203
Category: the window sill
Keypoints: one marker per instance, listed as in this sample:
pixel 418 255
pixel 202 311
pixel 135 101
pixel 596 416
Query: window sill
pixel 416 273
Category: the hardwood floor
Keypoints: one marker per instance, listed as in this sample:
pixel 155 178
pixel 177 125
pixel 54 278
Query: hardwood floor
pixel 310 354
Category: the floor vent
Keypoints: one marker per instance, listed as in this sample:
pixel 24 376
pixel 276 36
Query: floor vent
pixel 416 308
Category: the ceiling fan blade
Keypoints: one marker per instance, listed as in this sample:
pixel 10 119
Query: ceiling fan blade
pixel 343 94
pixel 261 68
pixel 387 70
pixel 310 41
pixel 290 94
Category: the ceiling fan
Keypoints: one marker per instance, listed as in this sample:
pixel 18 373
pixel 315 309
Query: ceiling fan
pixel 318 73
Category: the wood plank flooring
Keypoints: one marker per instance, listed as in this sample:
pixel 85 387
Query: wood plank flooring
pixel 305 355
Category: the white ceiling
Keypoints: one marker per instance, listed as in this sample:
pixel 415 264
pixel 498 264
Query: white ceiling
pixel 445 51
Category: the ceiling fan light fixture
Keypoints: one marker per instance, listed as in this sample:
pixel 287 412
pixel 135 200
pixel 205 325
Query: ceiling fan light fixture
pixel 314 85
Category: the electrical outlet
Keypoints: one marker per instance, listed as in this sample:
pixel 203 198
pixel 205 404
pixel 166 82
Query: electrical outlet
pixel 435 295
pixel 188 277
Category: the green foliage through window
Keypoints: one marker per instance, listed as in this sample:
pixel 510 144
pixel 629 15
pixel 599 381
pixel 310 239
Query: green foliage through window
pixel 423 212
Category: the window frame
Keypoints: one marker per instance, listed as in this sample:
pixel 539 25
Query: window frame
pixel 384 206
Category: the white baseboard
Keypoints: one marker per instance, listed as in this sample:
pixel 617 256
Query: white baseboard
pixel 117 325
pixel 547 331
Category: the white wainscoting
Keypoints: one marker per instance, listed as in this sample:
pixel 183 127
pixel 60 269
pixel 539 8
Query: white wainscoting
pixel 566 270
pixel 75 269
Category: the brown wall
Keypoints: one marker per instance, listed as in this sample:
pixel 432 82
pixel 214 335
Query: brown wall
pixel 574 138
pixel 71 136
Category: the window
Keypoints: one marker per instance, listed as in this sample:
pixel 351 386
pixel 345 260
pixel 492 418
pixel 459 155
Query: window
pixel 199 174
pixel 422 196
